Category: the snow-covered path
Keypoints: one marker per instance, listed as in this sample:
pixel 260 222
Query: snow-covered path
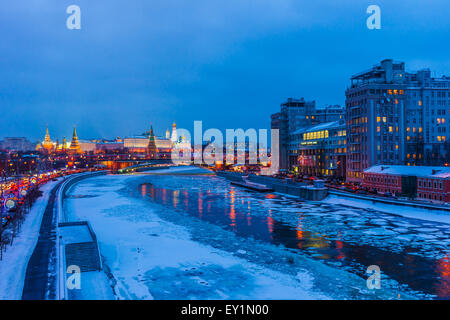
pixel 158 250
pixel 15 260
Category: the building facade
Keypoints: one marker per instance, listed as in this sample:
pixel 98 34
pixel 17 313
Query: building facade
pixel 319 150
pixel 427 119
pixel 396 117
pixel 375 111
pixel 420 182
pixel 296 114
pixel 16 144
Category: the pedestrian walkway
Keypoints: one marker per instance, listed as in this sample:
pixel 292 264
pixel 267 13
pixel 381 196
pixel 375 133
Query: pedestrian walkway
pixel 40 278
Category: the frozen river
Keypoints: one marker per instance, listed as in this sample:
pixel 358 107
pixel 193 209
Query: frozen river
pixel 198 237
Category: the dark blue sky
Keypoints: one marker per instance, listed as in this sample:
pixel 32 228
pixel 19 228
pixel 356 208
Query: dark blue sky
pixel 229 63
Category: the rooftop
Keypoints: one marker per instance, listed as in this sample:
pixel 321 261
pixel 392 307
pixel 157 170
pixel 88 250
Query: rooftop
pixel 322 126
pixel 418 171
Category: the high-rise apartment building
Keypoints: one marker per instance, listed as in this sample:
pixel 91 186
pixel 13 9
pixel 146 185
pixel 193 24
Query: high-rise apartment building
pixel 375 111
pixel 396 117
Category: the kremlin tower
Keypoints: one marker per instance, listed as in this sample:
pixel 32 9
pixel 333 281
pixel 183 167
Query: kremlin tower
pixel 64 145
pixel 47 144
pixel 74 144
pixel 174 133
pixel 151 149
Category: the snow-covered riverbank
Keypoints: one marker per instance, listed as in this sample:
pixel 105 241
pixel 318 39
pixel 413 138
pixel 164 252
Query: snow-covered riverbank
pixel 15 260
pixel 404 211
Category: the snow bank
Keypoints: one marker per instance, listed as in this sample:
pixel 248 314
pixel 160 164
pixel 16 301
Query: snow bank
pixel 15 260
pixel 404 211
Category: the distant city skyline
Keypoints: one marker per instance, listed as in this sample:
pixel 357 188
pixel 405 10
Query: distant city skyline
pixel 229 64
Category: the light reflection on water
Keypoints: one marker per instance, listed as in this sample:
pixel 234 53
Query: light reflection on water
pixel 249 214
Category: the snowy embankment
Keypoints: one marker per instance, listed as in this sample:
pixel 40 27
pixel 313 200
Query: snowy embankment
pixel 148 257
pixel 401 210
pixel 15 260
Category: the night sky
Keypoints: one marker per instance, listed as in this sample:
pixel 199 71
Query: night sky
pixel 229 63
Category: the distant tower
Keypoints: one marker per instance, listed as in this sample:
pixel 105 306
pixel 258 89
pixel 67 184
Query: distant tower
pixel 74 144
pixel 57 147
pixel 47 144
pixel 151 148
pixel 167 134
pixel 39 145
pixel 64 144
pixel 174 133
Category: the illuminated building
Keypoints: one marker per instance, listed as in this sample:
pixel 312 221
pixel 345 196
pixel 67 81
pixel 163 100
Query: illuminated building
pixel 375 111
pixel 420 182
pixel 319 150
pixel 47 145
pixel 296 114
pixel 87 146
pixel 16 144
pixel 427 119
pixel 174 133
pixel 139 144
pixel 64 145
